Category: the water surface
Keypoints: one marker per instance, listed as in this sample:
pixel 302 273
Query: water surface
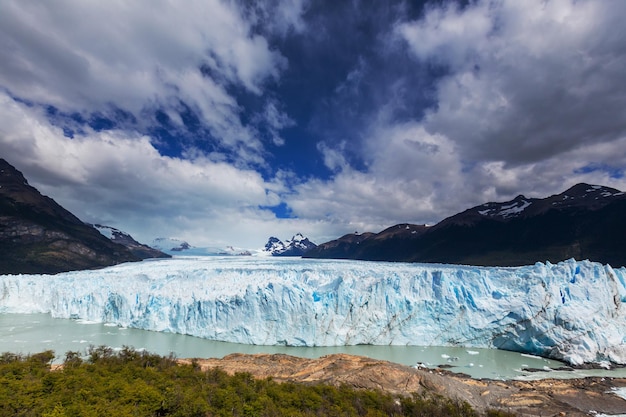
pixel 32 333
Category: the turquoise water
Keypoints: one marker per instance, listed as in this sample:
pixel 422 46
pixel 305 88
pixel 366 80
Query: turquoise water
pixel 31 333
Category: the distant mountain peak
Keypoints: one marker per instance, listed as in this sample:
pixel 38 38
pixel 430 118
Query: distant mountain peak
pixel 274 244
pixel 298 245
pixel 588 191
pixel 169 244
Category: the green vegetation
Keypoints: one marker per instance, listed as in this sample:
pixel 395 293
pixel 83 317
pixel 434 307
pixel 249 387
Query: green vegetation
pixel 131 383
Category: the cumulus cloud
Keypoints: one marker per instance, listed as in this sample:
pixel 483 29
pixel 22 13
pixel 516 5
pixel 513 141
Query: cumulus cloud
pixel 527 80
pixel 113 178
pixel 139 57
pixel 278 17
pixel 409 176
pixel 275 120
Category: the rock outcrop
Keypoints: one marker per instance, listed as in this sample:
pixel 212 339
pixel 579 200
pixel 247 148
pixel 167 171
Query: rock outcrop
pixel 548 397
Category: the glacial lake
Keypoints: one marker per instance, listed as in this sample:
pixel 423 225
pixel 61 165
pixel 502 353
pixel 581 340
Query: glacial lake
pixel 32 333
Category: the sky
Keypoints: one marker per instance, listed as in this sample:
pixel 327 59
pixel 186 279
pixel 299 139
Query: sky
pixel 227 122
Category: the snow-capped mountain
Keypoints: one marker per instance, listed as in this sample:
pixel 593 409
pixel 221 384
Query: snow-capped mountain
pixel 138 249
pixel 177 247
pixel 169 245
pixel 298 245
pixel 584 222
pixel 274 245
pixel 572 311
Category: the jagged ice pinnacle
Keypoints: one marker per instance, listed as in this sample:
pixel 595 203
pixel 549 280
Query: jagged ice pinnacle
pixel 573 311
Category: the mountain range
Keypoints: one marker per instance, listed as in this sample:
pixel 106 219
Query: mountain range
pixel 37 235
pixel 178 247
pixel 584 222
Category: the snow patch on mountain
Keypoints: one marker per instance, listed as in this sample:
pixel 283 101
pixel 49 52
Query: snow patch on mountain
pixel 514 209
pixel 571 311
pixel 106 231
pixel 505 210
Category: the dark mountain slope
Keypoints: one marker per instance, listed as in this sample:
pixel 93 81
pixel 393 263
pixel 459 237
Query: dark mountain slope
pixel 39 236
pixel 584 222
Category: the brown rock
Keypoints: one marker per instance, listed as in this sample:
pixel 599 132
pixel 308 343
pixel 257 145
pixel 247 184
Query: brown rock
pixel 572 397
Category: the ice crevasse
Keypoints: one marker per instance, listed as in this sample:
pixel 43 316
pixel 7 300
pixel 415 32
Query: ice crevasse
pixel 573 311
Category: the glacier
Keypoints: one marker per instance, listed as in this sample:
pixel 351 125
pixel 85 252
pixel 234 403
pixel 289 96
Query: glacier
pixel 572 311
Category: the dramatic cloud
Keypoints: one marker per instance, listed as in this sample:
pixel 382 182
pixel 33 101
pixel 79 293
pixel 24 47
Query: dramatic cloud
pixel 139 57
pixel 526 80
pixel 528 99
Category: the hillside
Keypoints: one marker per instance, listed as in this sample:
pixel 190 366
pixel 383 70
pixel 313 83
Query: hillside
pixel 37 235
pixel 584 222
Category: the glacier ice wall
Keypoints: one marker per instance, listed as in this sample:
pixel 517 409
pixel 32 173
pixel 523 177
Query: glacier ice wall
pixel 573 311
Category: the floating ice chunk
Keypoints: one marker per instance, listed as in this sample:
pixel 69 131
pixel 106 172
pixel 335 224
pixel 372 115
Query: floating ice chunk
pixel 83 321
pixel 526 355
pixel 596 414
pixel 620 392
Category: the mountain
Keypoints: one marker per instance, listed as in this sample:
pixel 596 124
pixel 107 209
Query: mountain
pixel 297 246
pixel 584 222
pixel 138 249
pixel 170 245
pixel 179 247
pixel 37 235
pixel 571 311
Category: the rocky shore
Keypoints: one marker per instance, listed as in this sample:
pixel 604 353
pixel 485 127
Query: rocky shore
pixel 547 397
